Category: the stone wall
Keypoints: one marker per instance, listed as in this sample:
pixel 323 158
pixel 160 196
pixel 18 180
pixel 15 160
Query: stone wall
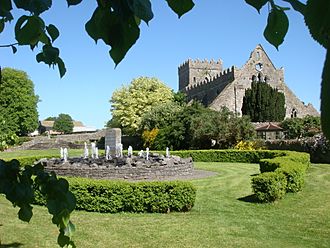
pixel 68 140
pixel 123 168
pixel 228 87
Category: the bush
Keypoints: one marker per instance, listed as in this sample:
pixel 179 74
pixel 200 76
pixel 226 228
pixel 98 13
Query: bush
pixel 117 196
pixel 228 155
pixel 24 161
pixel 269 186
pixel 294 174
pixel 247 145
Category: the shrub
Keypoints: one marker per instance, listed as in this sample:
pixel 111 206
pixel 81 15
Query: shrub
pixel 269 186
pixel 118 196
pixel 228 155
pixel 294 174
pixel 246 145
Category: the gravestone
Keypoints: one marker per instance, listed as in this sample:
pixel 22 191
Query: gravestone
pixel 112 138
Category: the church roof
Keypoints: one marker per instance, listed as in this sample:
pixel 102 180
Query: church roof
pixel 269 127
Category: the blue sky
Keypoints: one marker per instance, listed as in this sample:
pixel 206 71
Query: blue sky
pixel 229 30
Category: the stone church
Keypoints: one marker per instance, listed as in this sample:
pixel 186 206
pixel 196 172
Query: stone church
pixel 214 86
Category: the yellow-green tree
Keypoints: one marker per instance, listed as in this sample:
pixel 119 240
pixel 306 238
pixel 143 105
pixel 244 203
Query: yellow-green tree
pixel 130 103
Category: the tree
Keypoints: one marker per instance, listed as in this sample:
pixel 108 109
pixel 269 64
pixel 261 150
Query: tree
pixel 50 118
pixel 301 127
pixel 63 123
pixel 263 103
pixel 223 127
pixel 18 102
pixel 116 23
pixel 130 103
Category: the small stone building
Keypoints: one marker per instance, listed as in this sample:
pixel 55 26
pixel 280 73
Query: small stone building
pixel 78 127
pixel 215 87
pixel 269 131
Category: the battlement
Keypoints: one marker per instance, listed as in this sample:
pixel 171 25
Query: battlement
pixel 223 77
pixel 199 64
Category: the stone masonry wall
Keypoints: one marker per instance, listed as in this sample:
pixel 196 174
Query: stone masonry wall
pixel 127 168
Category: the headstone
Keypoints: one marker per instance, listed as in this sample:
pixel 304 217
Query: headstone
pixel 112 138
pixel 96 152
pixel 119 150
pixel 130 151
pixel 167 152
pixel 65 154
pixel 107 153
pixel 86 151
pixel 147 153
pixel 93 147
pixel 62 152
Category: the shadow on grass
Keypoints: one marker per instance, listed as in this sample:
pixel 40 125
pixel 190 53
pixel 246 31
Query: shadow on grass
pixel 250 198
pixel 15 244
pixel 253 175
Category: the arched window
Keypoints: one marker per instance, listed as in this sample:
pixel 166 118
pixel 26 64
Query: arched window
pixel 293 113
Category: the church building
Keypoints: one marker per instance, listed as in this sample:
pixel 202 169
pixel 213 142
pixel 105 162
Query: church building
pixel 214 86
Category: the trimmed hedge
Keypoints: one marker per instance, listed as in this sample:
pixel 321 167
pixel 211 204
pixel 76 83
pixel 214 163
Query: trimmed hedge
pixel 119 196
pixel 269 186
pixel 24 161
pixel 238 156
pixel 292 166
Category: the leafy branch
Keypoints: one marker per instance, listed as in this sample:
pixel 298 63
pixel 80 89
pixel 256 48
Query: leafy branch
pixel 19 186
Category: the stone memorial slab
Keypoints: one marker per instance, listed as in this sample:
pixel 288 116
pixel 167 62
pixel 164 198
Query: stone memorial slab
pixel 112 138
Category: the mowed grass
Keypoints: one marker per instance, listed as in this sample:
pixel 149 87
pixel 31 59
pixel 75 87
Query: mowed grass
pixel 46 153
pixel 221 217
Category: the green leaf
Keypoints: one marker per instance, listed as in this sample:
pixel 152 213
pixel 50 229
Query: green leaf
pixel 2 25
pixel 257 4
pixel 128 32
pixel 277 27
pixel 141 9
pixel 325 97
pixel 180 7
pixel 61 67
pixel 73 2
pixel 120 32
pixel 14 49
pixel 34 6
pixel 25 213
pixel 5 8
pixel 53 32
pixel 297 5
pixel 51 54
pixel 63 240
pixel 28 30
pixel 317 18
pixel 70 229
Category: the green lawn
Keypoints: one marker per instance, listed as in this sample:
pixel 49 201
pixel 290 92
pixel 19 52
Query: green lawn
pixel 219 218
pixel 29 153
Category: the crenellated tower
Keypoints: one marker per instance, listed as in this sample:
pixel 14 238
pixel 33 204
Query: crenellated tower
pixel 192 72
pixel 207 82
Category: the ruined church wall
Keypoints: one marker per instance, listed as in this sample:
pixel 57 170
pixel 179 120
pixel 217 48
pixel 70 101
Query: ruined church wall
pixel 207 91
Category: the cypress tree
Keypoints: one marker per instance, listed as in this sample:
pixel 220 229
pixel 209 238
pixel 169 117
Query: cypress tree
pixel 263 103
